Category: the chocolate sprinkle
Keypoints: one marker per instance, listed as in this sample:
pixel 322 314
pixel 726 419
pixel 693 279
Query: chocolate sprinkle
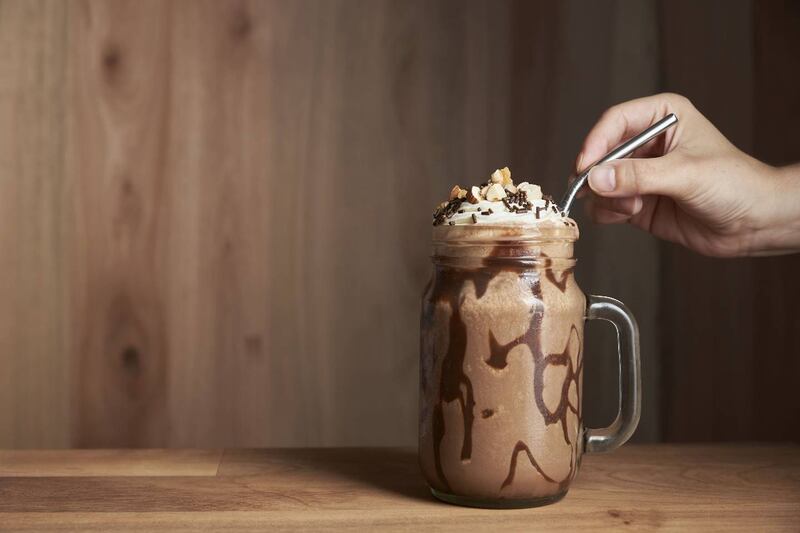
pixel 517 202
pixel 443 213
pixel 474 218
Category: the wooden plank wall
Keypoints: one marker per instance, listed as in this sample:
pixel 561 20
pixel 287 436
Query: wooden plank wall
pixel 34 320
pixel 199 239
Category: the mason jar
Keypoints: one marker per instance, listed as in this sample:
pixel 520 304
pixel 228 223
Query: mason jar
pixel 501 366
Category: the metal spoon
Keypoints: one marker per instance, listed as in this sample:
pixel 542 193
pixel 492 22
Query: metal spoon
pixel 623 150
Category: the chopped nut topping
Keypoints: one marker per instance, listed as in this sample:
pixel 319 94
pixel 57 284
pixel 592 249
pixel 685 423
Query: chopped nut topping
pixel 454 192
pixel 534 192
pixel 510 188
pixel 495 193
pixel 506 177
pixel 474 195
pixel 497 176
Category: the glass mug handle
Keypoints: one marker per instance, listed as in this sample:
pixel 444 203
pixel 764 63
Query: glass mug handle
pixel 630 375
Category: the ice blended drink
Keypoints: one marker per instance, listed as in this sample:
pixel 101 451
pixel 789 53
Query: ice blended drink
pixel 501 349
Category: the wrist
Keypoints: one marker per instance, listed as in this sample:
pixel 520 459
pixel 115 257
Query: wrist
pixel 780 233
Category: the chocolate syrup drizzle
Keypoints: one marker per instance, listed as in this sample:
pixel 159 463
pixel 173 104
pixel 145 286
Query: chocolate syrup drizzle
pixel 561 284
pixel 559 359
pixel 540 364
pixel 498 353
pixel 452 376
pixel 498 359
pixel 521 446
pixel 447 288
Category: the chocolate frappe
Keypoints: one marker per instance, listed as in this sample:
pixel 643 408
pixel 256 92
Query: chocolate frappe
pixel 501 340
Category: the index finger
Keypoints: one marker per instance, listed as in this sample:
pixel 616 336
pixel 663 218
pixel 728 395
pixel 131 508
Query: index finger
pixel 622 122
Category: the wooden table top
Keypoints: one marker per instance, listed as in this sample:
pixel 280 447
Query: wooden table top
pixel 672 487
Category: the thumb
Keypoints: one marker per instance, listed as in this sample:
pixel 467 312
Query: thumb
pixel 632 177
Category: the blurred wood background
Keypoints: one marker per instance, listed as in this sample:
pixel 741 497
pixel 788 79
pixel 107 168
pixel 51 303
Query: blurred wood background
pixel 214 215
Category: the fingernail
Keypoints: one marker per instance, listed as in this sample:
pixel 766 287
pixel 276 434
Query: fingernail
pixel 602 179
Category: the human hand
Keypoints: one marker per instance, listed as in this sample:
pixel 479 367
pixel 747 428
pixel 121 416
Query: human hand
pixel 690 186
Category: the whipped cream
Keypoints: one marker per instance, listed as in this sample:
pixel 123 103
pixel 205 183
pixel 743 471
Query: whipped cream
pixel 499 202
pixel 488 212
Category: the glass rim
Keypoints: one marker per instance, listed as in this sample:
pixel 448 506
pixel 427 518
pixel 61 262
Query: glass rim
pixel 517 262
